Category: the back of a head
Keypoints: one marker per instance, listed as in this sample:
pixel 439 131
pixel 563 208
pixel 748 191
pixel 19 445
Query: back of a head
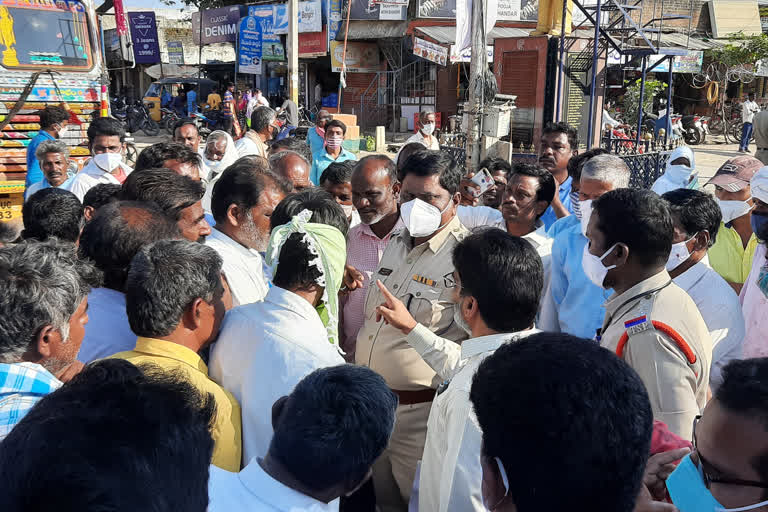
pixel 334 425
pixel 608 169
pixel 338 173
pixel 576 163
pixel 570 422
pixel 170 191
pixel 51 115
pixel 696 210
pixel 243 186
pixel 154 156
pixel 640 219
pixel 42 283
pixel 277 161
pixel 508 302
pixel 261 118
pixel 101 194
pixel 53 212
pixel 164 278
pixel 405 152
pixel 744 390
pixel 115 438
pixel 257 162
pixel 106 126
pixel 428 163
pixel 118 231
pixel 292 144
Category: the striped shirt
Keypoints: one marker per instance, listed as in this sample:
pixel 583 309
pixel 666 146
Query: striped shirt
pixel 21 386
pixel 226 107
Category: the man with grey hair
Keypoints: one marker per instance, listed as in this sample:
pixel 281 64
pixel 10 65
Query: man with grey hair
pixel 175 298
pixel 573 303
pixel 42 322
pixel 293 167
pixel 53 156
pixel 263 128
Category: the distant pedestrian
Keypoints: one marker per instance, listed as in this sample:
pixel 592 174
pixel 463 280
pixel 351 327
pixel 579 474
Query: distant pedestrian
pixel 748 110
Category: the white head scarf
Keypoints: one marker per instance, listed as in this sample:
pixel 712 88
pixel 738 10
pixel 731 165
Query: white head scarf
pixel 230 155
pixel 759 184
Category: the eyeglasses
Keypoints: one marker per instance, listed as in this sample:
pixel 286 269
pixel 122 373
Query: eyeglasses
pixel 710 475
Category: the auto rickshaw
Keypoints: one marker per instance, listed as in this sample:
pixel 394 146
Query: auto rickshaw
pixel 173 86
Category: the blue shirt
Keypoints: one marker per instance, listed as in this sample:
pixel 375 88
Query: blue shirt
pixel 578 301
pixel 549 216
pixel 21 386
pixel 191 102
pixel 40 185
pixel 34 172
pixel 322 159
pixel 316 141
pixel 562 224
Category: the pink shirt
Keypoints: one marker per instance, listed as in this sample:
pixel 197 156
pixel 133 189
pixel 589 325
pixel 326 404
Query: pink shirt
pixel 364 251
pixel 754 305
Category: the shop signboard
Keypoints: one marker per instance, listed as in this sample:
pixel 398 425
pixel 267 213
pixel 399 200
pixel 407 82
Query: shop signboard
pixel 360 57
pixel 690 63
pixel 368 10
pixel 175 52
pixel 430 51
pixel 310 17
pixel 249 46
pixel 219 25
pixel 144 37
pixel 313 44
pixel 508 10
pixel 271 47
pixel 333 17
pixel 466 55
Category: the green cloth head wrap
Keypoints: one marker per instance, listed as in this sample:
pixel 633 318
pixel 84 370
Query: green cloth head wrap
pixel 329 247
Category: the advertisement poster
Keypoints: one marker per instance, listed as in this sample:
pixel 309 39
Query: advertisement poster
pixel 313 44
pixel 507 10
pixel 249 46
pixel 368 10
pixel 219 25
pixel 466 56
pixel 310 17
pixel 175 52
pixel 271 47
pixel 430 51
pixel 333 18
pixel 144 37
pixel 360 57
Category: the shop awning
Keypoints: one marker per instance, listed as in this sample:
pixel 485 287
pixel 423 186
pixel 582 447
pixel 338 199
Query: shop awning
pixel 676 39
pixel 359 30
pixel 447 35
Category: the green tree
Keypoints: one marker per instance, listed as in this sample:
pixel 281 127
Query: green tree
pixel 741 50
pixel 632 98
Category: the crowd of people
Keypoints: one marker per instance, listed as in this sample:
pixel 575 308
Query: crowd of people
pixel 270 324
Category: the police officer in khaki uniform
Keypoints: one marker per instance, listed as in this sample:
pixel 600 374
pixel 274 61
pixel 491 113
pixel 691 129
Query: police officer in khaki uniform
pixel 416 267
pixel 650 322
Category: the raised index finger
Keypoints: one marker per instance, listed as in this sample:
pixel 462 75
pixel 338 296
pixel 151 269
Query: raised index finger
pixel 387 294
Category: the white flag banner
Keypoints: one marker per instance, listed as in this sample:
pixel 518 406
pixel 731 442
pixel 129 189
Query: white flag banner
pixel 464 20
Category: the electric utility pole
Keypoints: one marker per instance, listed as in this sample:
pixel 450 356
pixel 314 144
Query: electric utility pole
pixel 293 50
pixel 477 67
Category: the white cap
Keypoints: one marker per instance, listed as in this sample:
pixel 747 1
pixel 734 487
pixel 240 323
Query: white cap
pixel 759 184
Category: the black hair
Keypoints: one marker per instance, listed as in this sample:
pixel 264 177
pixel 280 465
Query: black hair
pixel 387 165
pixel 116 233
pixel 428 163
pixel 292 144
pixel 112 424
pixel 230 84
pixel 568 130
pixel 243 185
pixel 256 162
pixel 546 190
pixel 101 194
pixel 261 118
pixel 52 115
pixel 338 173
pixel 337 124
pixel 53 212
pixel 405 152
pixel 508 302
pixel 551 394
pixel 184 121
pixel 696 210
pixel 293 270
pixel 496 164
pixel 640 219
pixel 106 126
pixel 576 163
pixel 336 422
pixel 153 157
pixel 164 187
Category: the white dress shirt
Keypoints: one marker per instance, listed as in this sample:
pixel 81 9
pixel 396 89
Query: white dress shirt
pixel 451 474
pixel 479 216
pixel 748 110
pixel 241 266
pixel 719 306
pixel 543 245
pixel 264 349
pixel 108 331
pixel 90 176
pixel 254 490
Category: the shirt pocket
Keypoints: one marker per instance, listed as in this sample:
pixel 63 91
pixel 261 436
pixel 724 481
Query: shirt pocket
pixel 423 301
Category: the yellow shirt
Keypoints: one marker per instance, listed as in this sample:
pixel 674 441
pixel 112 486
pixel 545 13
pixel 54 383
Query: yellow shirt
pixel 728 256
pixel 213 100
pixel 227 429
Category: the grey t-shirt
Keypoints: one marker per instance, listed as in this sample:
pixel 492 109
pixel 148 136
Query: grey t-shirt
pixel 293 112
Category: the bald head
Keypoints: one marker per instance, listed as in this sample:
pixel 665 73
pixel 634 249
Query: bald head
pixel 375 189
pixel 293 167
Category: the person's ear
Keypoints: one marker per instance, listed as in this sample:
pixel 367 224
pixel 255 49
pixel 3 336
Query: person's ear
pixel 277 410
pixel 396 190
pixel 620 255
pixel 701 241
pixel 456 199
pixel 45 340
pixel 470 307
pixel 194 315
pixel 234 215
pixel 88 212
pixel 540 208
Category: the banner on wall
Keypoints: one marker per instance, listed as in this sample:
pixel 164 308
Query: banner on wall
pixel 333 19
pixel 175 52
pixel 367 10
pixel 313 44
pixel 360 57
pixel 310 17
pixel 219 25
pixel 249 46
pixel 146 49
pixel 430 51
pixel 506 10
pixel 466 55
pixel 271 47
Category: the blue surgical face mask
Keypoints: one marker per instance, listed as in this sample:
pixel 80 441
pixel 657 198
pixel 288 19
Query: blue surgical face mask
pixel 762 280
pixel 758 221
pixel 689 494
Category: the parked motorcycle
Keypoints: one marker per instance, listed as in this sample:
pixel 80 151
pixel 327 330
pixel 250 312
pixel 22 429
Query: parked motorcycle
pixel 140 119
pixel 169 119
pixel 693 130
pixel 208 122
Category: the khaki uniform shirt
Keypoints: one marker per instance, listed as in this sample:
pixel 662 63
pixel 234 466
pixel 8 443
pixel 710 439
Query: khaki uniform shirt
pixel 383 348
pixel 677 389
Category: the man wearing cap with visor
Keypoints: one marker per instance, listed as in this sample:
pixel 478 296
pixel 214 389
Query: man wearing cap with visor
pixel 731 256
pixel 754 296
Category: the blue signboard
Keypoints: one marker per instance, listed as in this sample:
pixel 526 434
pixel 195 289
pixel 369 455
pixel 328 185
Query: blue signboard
pixel 333 19
pixel 249 55
pixel 144 36
pixel 271 47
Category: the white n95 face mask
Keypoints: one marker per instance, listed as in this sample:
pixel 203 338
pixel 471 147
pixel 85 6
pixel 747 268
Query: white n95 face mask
pixel 679 254
pixel 348 209
pixel 421 218
pixel 108 161
pixel 428 128
pixel 733 209
pixel 593 266
pixel 585 209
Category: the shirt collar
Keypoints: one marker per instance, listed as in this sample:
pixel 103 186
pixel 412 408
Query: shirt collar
pixel 437 241
pixel 261 484
pixel 687 279
pixel 566 184
pixel 26 377
pixel 539 235
pixel 288 300
pixel 366 230
pixel 170 350
pixel 615 301
pixel 476 346
pixel 231 242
